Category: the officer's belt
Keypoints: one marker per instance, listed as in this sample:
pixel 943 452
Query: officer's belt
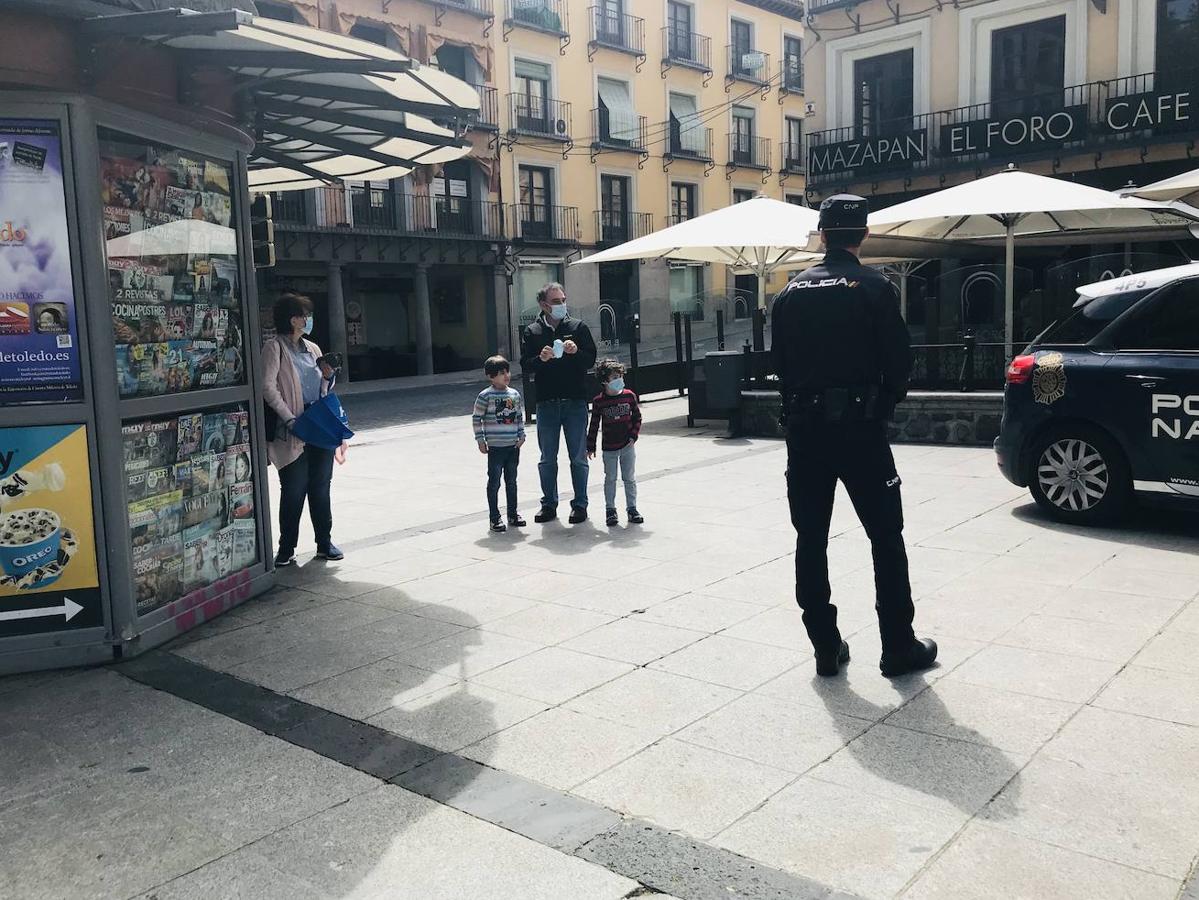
pixel 838 404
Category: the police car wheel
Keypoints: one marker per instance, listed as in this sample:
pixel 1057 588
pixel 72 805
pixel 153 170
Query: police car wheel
pixel 1079 475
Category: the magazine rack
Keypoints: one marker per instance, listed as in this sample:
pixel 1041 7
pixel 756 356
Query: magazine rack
pixel 132 462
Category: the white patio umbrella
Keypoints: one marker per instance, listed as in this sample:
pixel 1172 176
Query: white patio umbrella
pixel 1183 187
pixel 758 236
pixel 1015 204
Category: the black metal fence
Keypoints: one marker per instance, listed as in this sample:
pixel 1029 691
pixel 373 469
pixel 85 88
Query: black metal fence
pixel 749 151
pixel 489 107
pixel 614 226
pixel 690 143
pixel 540 117
pixel 536 222
pixel 686 48
pixel 617 30
pixel 748 64
pixel 618 132
pixel 550 16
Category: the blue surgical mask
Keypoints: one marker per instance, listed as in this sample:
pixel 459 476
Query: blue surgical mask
pixel 616 385
pixel 308 325
pixel 559 311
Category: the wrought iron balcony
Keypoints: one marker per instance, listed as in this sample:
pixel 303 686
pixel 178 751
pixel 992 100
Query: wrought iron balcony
pixel 616 31
pixel 748 65
pixel 449 217
pixel 289 208
pixel 484 9
pixel 792 75
pixel 538 223
pixel 816 7
pixel 792 158
pixel 677 220
pixel 489 108
pixel 539 117
pixel 686 48
pixel 614 226
pixel 549 16
pixel 749 152
pixel 614 132
pixel 690 143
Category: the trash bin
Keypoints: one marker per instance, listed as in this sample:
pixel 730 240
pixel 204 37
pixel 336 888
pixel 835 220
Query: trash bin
pixel 724 371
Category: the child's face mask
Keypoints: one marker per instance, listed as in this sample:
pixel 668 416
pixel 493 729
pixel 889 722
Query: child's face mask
pixel 616 385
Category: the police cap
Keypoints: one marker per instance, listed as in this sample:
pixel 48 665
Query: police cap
pixel 843 212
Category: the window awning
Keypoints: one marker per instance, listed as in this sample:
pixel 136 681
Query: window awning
pixel 325 106
pixel 691 135
pixel 622 121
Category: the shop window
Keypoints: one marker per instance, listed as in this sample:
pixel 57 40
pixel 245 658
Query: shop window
pixel 172 260
pixel 686 291
pixel 1028 67
pixel 883 96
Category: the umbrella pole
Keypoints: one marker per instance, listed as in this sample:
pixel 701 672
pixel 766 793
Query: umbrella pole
pixel 903 293
pixel 760 316
pixel 1009 290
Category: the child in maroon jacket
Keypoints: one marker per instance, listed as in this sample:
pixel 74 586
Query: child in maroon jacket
pixel 616 409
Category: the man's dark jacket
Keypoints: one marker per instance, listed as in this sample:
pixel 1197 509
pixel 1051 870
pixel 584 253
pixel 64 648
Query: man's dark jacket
pixel 837 325
pixel 564 378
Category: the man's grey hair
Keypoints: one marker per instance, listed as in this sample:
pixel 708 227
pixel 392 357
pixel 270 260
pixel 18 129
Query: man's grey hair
pixel 545 291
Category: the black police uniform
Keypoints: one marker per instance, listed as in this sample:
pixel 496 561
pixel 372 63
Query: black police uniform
pixel 843 354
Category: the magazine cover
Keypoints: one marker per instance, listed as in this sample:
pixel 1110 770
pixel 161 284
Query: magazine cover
pixel 150 444
pixel 241 499
pixel 241 420
pixel 210 507
pixel 170 571
pixel 151 362
pixel 203 358
pixel 139 323
pixel 205 321
pixel 131 281
pixel 126 371
pixel 214 432
pixel 216 177
pixel 224 281
pixel 150 482
pixel 207 473
pixel 245 544
pixel 183 478
pixel 191 432
pixel 237 462
pixel 132 184
pixel 224 551
pixel 145 577
pixel 155 518
pixel 179 322
pixel 199 562
pixel 180 375
pixel 184 203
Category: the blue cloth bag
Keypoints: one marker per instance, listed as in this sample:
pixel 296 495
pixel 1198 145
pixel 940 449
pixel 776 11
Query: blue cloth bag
pixel 323 424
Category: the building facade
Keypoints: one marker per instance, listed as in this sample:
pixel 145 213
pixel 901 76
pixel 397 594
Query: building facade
pixel 903 103
pixel 600 120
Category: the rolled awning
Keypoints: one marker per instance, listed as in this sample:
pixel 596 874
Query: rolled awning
pixel 325 106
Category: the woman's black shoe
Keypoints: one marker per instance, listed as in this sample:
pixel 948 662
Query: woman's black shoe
pixel 577 515
pixel 829 664
pixel 547 514
pixel 635 518
pixel 517 522
pixel 498 526
pixel 612 518
pixel 331 553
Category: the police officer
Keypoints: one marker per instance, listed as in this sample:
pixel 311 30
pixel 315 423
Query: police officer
pixel 842 352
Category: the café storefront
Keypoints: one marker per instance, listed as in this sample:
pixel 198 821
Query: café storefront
pixel 1104 134
pixel 133 475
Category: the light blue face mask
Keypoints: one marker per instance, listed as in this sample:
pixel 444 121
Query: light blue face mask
pixel 616 385
pixel 559 311
pixel 308 326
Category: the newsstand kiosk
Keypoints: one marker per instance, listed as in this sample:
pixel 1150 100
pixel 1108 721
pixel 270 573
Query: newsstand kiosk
pixel 133 500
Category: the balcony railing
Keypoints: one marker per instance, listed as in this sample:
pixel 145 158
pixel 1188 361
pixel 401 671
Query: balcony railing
pixel 686 48
pixel 484 9
pixel 792 75
pixel 792 158
pixel 816 7
pixel 677 220
pixel 748 65
pixel 617 31
pixel 749 152
pixel 540 223
pixel 382 210
pixel 617 226
pixel 540 117
pixel 549 16
pixel 489 107
pixel 690 143
pixel 616 131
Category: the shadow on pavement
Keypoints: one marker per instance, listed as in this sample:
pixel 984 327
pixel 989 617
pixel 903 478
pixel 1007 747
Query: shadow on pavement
pixel 1146 526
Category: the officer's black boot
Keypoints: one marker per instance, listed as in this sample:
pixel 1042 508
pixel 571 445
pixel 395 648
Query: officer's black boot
pixel 830 663
pixel 920 654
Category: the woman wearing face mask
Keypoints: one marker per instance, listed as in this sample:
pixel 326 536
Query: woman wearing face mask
pixel 293 380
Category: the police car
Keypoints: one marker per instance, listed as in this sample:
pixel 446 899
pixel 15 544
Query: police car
pixel 1103 407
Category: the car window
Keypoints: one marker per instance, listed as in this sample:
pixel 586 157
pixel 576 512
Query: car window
pixel 1085 323
pixel 1169 322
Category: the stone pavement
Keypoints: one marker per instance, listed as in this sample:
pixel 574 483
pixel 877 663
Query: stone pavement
pixel 658 672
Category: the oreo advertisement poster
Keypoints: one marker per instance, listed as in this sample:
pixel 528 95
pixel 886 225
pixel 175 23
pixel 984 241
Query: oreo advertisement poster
pixel 39 338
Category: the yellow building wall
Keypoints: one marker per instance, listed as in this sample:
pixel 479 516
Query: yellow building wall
pixel 574 80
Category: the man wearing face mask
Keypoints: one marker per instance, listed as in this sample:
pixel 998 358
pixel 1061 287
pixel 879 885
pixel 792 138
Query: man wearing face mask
pixel 557 349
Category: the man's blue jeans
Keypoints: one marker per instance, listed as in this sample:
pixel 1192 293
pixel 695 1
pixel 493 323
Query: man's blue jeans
pixel 553 418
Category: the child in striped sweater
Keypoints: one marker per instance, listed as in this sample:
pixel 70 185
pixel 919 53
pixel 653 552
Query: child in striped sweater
pixel 499 425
